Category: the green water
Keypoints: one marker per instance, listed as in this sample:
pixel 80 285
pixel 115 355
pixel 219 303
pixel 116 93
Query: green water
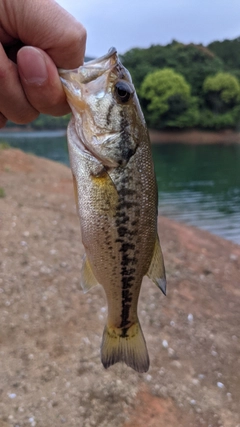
pixel 198 185
pixel 52 145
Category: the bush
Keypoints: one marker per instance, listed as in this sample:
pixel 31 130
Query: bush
pixel 167 100
pixel 222 92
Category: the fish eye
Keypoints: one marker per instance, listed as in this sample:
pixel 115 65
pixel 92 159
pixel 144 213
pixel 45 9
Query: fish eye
pixel 123 91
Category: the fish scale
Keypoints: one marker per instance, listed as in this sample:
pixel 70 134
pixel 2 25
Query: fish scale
pixel 116 194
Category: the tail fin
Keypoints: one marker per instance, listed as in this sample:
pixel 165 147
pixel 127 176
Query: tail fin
pixel 125 345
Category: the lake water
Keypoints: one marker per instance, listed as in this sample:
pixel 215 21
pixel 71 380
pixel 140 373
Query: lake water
pixel 198 185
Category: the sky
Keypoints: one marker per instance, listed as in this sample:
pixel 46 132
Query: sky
pixel 125 24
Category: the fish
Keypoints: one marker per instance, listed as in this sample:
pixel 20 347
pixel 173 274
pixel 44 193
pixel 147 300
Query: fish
pixel 117 199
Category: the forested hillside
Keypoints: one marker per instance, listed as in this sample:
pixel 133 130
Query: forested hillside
pixel 185 86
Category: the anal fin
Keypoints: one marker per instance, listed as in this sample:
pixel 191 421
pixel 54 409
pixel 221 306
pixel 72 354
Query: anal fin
pixel 156 271
pixel 88 280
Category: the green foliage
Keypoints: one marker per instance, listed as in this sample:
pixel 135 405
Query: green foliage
pixel 2 192
pixel 225 86
pixel 159 86
pixel 195 63
pixel 212 76
pixel 138 65
pixel 228 51
pixel 189 118
pixel 4 145
pixel 210 120
pixel 222 102
pixel 216 121
pixel 168 100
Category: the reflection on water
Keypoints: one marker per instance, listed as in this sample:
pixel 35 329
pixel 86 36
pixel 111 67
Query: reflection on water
pixel 199 185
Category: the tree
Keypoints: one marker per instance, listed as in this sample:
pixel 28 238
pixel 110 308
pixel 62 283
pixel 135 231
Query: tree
pixel 138 64
pixel 167 100
pixel 212 121
pixel 194 62
pixel 222 92
pixel 228 51
pixel 221 107
pixel 222 95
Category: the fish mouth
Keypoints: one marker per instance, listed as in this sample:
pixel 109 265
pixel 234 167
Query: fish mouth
pixel 74 80
pixel 112 51
pixel 90 70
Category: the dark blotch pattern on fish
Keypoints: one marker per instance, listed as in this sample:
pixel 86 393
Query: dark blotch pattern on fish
pixel 126 260
pixel 108 117
pixel 124 333
pixel 127 246
pixel 126 220
pixel 126 139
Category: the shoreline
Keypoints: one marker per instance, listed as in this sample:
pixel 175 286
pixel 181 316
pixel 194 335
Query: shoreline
pixel 194 136
pixel 16 132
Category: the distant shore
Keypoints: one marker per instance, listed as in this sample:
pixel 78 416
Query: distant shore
pixel 194 136
pixel 18 129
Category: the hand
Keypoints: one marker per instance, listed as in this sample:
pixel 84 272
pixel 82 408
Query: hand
pixel 36 37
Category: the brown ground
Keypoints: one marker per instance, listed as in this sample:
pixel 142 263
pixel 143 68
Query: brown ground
pixel 50 332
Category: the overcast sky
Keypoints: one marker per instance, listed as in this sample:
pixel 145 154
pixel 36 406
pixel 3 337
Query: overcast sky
pixel 140 23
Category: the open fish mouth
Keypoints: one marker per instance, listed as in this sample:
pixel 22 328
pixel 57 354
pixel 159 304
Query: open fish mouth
pixel 76 81
pixel 112 51
pixel 91 70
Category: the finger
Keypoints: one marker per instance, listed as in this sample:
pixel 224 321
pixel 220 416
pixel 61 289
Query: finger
pixel 41 82
pixel 3 121
pixel 45 24
pixel 13 102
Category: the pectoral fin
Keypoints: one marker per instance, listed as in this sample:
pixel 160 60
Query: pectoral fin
pixel 156 271
pixel 88 280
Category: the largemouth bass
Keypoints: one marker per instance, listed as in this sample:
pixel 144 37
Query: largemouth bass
pixel 116 195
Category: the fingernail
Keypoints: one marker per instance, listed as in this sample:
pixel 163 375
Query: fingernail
pixel 32 65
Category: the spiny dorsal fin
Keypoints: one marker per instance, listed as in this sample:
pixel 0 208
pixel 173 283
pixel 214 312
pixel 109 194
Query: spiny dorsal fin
pixel 88 280
pixel 156 271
